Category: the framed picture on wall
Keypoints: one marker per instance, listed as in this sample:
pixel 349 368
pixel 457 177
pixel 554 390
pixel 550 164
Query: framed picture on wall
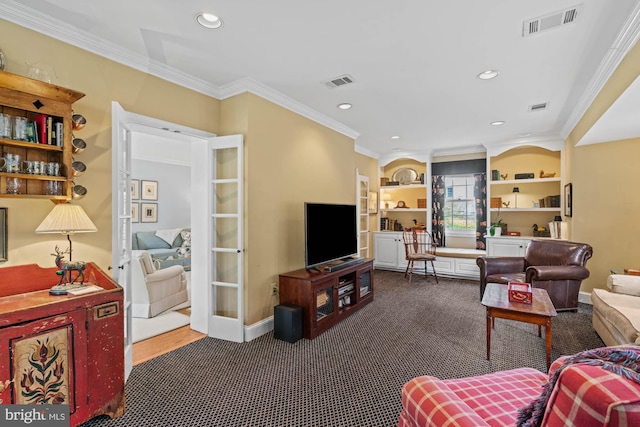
pixel 568 200
pixel 135 189
pixel 149 212
pixel 149 190
pixel 135 212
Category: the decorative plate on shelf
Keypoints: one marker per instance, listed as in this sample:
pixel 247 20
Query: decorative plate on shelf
pixel 405 176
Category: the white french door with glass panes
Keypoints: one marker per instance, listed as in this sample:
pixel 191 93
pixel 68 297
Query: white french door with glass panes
pixel 363 214
pixel 217 176
pixel 121 211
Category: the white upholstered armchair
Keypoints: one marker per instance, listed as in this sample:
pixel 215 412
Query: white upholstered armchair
pixel 154 291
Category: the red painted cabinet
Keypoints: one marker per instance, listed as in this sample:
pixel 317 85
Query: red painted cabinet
pixel 62 349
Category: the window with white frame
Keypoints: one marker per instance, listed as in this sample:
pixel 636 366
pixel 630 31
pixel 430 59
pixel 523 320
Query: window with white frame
pixel 460 204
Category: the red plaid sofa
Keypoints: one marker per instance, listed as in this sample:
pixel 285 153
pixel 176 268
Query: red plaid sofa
pixel 583 396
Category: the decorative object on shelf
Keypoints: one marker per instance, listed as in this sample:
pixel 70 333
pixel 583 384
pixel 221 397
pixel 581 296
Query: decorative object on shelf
pixel 78 121
pixel 495 175
pixel 78 145
pixel 373 202
pixel 66 219
pixel 540 231
pixel 417 224
pixel 1 65
pixel 515 191
pixel 386 198
pixel 547 175
pixel 41 71
pixel 78 191
pixel 149 190
pixel 422 203
pixel 506 204
pixel 504 177
pixel 78 168
pixel 535 204
pixel 496 202
pixel 529 175
pixel 497 227
pixel 401 205
pixel 568 200
pixel 555 227
pixel 384 181
pixel 405 176
pixel 149 212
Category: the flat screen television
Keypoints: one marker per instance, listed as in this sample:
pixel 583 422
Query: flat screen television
pixel 330 232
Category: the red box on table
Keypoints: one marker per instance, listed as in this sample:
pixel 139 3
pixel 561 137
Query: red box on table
pixel 520 292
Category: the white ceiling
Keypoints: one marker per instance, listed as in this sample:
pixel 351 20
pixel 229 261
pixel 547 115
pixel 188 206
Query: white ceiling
pixel 414 62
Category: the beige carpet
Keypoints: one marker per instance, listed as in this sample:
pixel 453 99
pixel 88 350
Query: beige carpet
pixel 164 322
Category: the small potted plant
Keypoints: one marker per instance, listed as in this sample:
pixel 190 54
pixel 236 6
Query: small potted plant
pixel 497 228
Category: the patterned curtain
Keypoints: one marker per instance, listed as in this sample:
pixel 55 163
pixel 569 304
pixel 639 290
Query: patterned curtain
pixel 480 194
pixel 437 216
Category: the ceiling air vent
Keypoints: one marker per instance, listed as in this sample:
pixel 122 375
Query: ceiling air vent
pixel 550 21
pixel 339 81
pixel 538 107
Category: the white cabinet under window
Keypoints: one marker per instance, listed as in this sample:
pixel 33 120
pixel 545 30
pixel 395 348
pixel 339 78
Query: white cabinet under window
pixel 389 254
pixel 507 246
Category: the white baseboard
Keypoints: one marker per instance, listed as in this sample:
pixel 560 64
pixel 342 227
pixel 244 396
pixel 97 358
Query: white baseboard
pixel 258 329
pixel 585 297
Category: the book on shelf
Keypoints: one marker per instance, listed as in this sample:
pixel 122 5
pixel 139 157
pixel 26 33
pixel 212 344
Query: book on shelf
pixel 49 129
pixel 41 128
pixel 59 134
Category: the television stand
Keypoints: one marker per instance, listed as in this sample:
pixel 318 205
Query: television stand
pixel 343 263
pixel 328 298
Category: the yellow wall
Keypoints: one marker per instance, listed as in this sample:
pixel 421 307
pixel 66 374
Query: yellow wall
pixel 102 81
pixel 605 181
pixel 288 160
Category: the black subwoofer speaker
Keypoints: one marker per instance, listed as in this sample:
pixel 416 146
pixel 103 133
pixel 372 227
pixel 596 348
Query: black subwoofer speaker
pixel 287 322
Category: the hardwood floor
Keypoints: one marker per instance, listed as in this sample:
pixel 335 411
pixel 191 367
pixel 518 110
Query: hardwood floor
pixel 162 344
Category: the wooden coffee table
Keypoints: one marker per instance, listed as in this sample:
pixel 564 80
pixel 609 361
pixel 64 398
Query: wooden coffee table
pixel 539 313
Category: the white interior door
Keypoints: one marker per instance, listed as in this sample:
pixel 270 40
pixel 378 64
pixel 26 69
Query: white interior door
pixel 363 214
pixel 121 211
pixel 219 250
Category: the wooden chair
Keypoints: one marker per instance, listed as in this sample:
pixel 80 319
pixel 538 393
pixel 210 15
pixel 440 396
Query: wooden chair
pixel 419 246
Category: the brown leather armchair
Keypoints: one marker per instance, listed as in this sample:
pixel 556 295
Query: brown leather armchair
pixel 557 266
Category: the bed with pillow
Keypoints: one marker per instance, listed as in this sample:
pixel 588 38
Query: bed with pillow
pixel 616 310
pixel 167 247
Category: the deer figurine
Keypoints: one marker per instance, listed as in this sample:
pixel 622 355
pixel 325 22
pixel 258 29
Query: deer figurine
pixel 66 268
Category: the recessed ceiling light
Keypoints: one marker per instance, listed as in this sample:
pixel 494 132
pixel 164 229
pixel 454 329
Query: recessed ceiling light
pixel 522 135
pixel 395 137
pixel 498 123
pixel 344 106
pixel 488 75
pixel 395 149
pixel 208 20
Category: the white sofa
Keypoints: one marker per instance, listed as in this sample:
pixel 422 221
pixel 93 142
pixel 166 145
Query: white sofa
pixel 154 291
pixel 616 310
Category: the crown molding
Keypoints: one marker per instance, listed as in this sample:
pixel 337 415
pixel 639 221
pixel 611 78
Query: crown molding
pixel 44 24
pixel 365 151
pixel 551 143
pixel 250 85
pixel 626 39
